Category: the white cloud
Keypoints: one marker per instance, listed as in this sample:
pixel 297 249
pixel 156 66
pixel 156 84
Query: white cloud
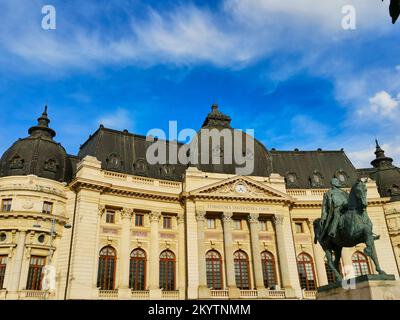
pixel 120 119
pixel 383 104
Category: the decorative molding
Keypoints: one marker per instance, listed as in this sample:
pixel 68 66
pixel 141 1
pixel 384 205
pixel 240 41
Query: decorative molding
pixel 227 217
pixel 180 218
pixel 253 217
pixel 154 216
pixel 278 219
pixel 200 216
pixel 126 213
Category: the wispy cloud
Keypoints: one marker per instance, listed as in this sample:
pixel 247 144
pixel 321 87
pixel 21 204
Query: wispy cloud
pixel 120 119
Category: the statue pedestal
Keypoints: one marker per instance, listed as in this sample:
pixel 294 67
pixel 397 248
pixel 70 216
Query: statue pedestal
pixel 366 287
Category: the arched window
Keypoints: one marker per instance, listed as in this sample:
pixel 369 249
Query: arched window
pixel 305 268
pixel 137 270
pixel 329 274
pixel 167 270
pixel 268 268
pixel 242 270
pixel 106 274
pixel 214 270
pixel 360 264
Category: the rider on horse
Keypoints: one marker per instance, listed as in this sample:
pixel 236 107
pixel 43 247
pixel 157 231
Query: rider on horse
pixel 333 206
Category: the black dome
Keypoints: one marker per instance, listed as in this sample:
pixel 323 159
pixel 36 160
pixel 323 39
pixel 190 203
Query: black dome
pixel 37 154
pixel 216 120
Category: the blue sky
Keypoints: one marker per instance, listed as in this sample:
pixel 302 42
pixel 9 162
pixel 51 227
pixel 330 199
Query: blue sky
pixel 286 69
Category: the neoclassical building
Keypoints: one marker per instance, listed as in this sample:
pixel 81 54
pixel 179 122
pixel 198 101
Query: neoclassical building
pixel 113 226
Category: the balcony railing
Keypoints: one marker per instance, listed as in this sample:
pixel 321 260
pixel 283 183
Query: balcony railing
pixel 248 293
pixel 276 294
pixel 219 293
pixel 3 294
pixel 140 294
pixel 170 295
pixel 108 294
pixel 33 294
pixel 309 294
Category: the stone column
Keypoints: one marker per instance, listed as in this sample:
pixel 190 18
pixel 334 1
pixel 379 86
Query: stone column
pixel 14 282
pixel 318 257
pixel 234 292
pixel 285 259
pixel 255 250
pixel 124 291
pixel 154 259
pixel 181 256
pixel 203 290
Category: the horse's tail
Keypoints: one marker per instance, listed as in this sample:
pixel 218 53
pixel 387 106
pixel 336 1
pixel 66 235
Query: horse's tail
pixel 316 225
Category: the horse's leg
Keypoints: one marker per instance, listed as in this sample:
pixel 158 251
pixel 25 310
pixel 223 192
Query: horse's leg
pixel 371 252
pixel 338 256
pixel 331 265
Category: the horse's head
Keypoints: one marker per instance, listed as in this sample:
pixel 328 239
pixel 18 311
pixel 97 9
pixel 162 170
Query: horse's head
pixel 358 196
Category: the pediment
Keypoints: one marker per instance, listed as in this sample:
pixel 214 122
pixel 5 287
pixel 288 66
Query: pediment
pixel 240 187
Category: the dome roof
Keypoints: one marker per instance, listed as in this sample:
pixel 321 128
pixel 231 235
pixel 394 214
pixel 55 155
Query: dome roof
pixel 36 154
pixel 242 146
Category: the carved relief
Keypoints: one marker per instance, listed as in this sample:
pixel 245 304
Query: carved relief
pixel 50 165
pixel 154 216
pixel 126 213
pixel 140 167
pixel 113 162
pixel 16 162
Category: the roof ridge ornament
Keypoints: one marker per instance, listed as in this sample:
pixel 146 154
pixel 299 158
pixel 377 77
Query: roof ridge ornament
pixel 216 118
pixel 381 160
pixel 42 128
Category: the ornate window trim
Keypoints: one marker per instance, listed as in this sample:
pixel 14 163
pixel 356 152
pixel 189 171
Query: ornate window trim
pixel 314 182
pixel 343 173
pixel 291 182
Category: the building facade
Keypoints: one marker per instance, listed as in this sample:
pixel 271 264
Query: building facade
pixel 109 225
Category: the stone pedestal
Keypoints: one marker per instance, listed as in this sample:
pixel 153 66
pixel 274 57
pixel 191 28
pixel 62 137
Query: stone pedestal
pixel 367 287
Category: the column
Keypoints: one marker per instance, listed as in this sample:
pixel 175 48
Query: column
pixel 124 291
pixel 203 290
pixel 255 250
pixel 154 257
pixel 319 256
pixel 234 292
pixel 181 256
pixel 287 258
pixel 14 282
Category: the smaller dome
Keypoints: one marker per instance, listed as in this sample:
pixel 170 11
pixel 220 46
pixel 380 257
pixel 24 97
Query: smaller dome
pixel 36 154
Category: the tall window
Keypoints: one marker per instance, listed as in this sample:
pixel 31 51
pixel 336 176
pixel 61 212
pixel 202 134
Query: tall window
pixel 299 227
pixel 3 266
pixel 242 270
pixel 35 273
pixel 214 270
pixel 106 273
pixel 306 271
pixel 268 268
pixel 139 220
pixel 137 270
pixel 47 207
pixel 211 223
pixel 167 270
pixel 237 224
pixel 110 216
pixel 167 222
pixel 263 225
pixel 6 205
pixel 360 264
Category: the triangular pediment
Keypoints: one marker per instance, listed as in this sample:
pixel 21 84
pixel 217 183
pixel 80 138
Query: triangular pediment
pixel 240 187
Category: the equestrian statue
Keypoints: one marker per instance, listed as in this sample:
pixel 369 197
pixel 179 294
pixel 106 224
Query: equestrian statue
pixel 344 222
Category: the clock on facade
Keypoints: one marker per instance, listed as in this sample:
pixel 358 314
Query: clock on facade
pixel 241 188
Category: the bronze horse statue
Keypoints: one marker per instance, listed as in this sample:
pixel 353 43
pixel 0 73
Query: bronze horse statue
pixel 354 227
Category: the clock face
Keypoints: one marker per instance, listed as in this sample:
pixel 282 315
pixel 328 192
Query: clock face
pixel 241 188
